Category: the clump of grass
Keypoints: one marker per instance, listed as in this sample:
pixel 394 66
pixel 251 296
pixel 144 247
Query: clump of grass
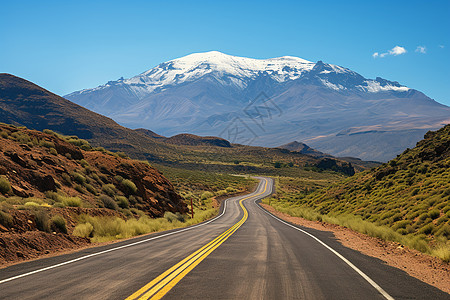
pixel 46 144
pixel 171 217
pixel 84 163
pixel 5 186
pixel 53 151
pixel 79 188
pixel 442 252
pixel 66 178
pixel 83 230
pixel 108 202
pixel 21 137
pixel 355 223
pixel 5 219
pixel 71 201
pixel 78 178
pixel 206 195
pixel 31 204
pixel 58 223
pixel 42 220
pixel 129 186
pixel 122 202
pixel 109 189
pixel 90 188
pixel 101 229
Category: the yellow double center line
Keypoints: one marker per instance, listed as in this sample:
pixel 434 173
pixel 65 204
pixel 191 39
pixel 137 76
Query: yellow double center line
pixel 161 285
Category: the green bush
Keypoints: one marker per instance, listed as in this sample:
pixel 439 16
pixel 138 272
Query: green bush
pixel 66 178
pixel 206 195
pixel 79 188
pixel 442 252
pixel 83 230
pixel 122 202
pixel 42 220
pixel 109 189
pixel 58 223
pixel 5 186
pixel 122 154
pixel 118 178
pixel 78 178
pixel 108 202
pixel 84 163
pixel 53 151
pixel 171 217
pixel 46 144
pixel 129 186
pixel 91 189
pixel 71 201
pixel 434 213
pixel 48 131
pixel 5 219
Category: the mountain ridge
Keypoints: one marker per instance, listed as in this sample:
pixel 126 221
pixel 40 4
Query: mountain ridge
pixel 275 101
pixel 26 104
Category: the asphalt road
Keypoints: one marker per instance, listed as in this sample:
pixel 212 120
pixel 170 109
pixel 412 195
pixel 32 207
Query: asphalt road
pixel 245 253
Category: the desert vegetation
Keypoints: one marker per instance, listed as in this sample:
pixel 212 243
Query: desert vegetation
pixel 406 200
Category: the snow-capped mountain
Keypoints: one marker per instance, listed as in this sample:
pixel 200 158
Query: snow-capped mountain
pixel 271 102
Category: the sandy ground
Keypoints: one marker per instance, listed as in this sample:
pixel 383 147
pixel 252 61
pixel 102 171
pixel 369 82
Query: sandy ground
pixel 421 266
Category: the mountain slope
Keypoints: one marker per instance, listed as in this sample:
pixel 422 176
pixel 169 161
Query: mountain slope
pixel 271 102
pixel 410 194
pixel 24 103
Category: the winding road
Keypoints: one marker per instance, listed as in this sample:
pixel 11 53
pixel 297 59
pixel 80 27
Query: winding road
pixel 244 253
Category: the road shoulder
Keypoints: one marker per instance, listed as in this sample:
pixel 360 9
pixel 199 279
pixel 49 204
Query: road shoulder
pixel 421 266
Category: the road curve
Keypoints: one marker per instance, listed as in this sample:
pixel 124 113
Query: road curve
pixel 245 253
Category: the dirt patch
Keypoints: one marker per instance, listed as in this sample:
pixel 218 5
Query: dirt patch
pixel 421 266
pixel 17 247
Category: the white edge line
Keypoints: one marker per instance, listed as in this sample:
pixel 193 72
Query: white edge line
pixel 355 268
pixel 127 245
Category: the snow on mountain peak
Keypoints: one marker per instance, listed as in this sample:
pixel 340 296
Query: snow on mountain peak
pixel 239 71
pixel 193 66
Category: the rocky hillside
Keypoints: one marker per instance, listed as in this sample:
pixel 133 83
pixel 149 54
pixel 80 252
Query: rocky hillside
pixel 52 186
pixel 410 194
pixel 43 165
pixel 23 103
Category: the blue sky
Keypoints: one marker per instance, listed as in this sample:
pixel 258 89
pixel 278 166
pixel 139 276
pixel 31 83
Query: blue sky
pixel 70 45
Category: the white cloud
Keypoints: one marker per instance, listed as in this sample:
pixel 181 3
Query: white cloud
pixel 421 49
pixel 441 46
pixel 397 50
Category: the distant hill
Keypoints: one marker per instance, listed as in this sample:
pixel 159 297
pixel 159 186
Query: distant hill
pixel 195 140
pixel 150 133
pixel 26 104
pixel 410 194
pixel 186 139
pixel 302 148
